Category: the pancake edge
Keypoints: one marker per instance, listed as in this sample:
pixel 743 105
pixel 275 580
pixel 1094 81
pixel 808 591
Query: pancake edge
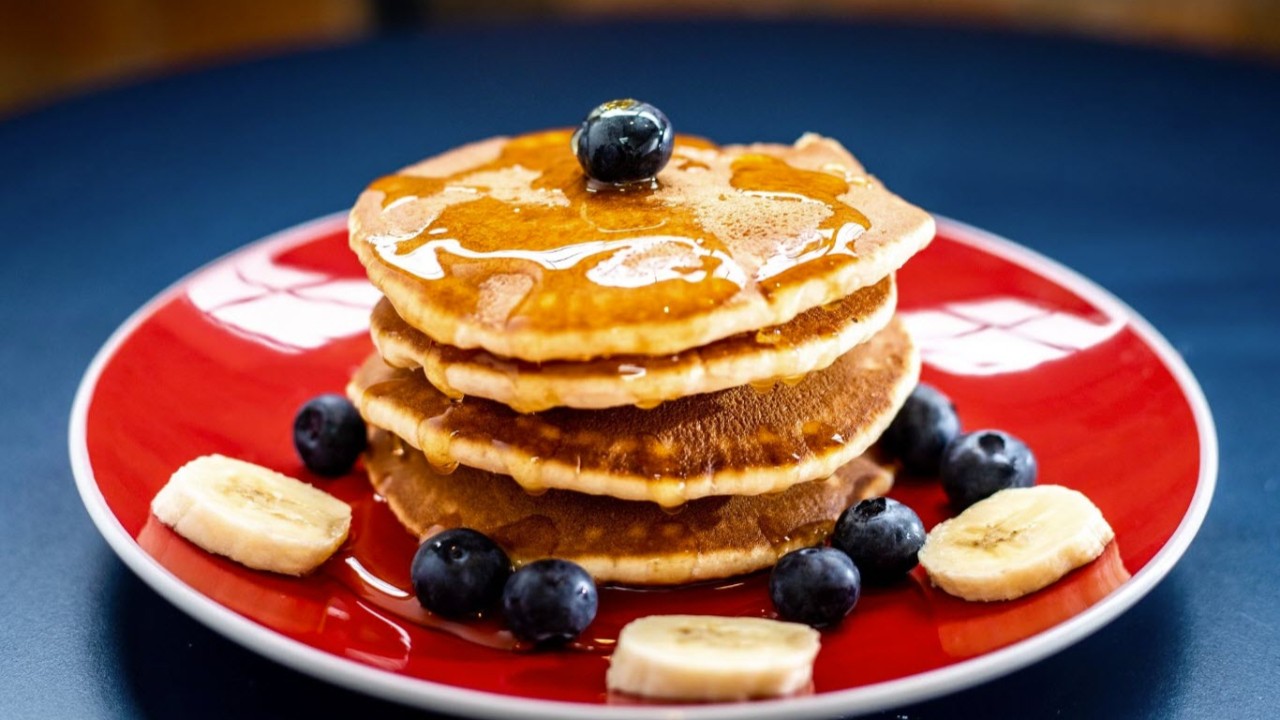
pixel 553 384
pixel 656 569
pixel 560 475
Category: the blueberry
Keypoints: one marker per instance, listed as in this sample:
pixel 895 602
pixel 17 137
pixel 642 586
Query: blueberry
pixel 624 141
pixel 329 435
pixel 459 572
pixel 549 601
pixel 815 586
pixel 982 463
pixel 882 536
pixel 921 431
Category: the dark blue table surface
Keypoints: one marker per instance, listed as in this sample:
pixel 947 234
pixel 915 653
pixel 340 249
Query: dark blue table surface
pixel 1153 173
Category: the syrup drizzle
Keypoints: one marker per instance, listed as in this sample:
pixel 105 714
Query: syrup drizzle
pixel 827 245
pixel 520 240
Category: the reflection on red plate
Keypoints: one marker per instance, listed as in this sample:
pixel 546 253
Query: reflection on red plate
pixel 221 363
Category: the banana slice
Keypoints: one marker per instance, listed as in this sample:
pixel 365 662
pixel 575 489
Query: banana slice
pixel 255 516
pixel 706 657
pixel 1015 542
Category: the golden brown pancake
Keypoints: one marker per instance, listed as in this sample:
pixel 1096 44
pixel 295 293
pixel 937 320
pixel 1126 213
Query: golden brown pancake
pixel 504 245
pixel 733 442
pixel 811 341
pixel 619 541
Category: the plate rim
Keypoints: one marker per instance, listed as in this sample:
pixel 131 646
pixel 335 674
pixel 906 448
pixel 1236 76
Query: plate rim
pixel 428 694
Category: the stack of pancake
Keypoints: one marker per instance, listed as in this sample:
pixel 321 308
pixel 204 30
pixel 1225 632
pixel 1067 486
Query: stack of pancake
pixel 665 382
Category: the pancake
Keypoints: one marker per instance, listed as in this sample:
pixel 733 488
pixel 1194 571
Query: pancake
pixel 504 245
pixel 733 442
pixel 636 543
pixel 810 342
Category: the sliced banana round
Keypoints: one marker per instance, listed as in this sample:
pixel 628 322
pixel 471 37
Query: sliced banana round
pixel 1015 542
pixel 253 515
pixel 708 657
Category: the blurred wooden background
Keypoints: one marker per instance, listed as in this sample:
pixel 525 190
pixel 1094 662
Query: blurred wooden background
pixel 50 48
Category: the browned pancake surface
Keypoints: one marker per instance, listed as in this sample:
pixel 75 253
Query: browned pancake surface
pixel 618 540
pixel 733 442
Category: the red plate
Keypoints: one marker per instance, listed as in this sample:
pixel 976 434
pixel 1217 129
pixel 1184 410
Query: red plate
pixel 220 362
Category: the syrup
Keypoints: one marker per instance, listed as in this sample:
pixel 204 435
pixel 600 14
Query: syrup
pixel 828 245
pixel 525 242
pixel 436 440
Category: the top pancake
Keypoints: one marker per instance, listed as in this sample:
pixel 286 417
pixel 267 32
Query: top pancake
pixel 504 245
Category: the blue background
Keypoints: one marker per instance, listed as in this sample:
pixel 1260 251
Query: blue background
pixel 1151 172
